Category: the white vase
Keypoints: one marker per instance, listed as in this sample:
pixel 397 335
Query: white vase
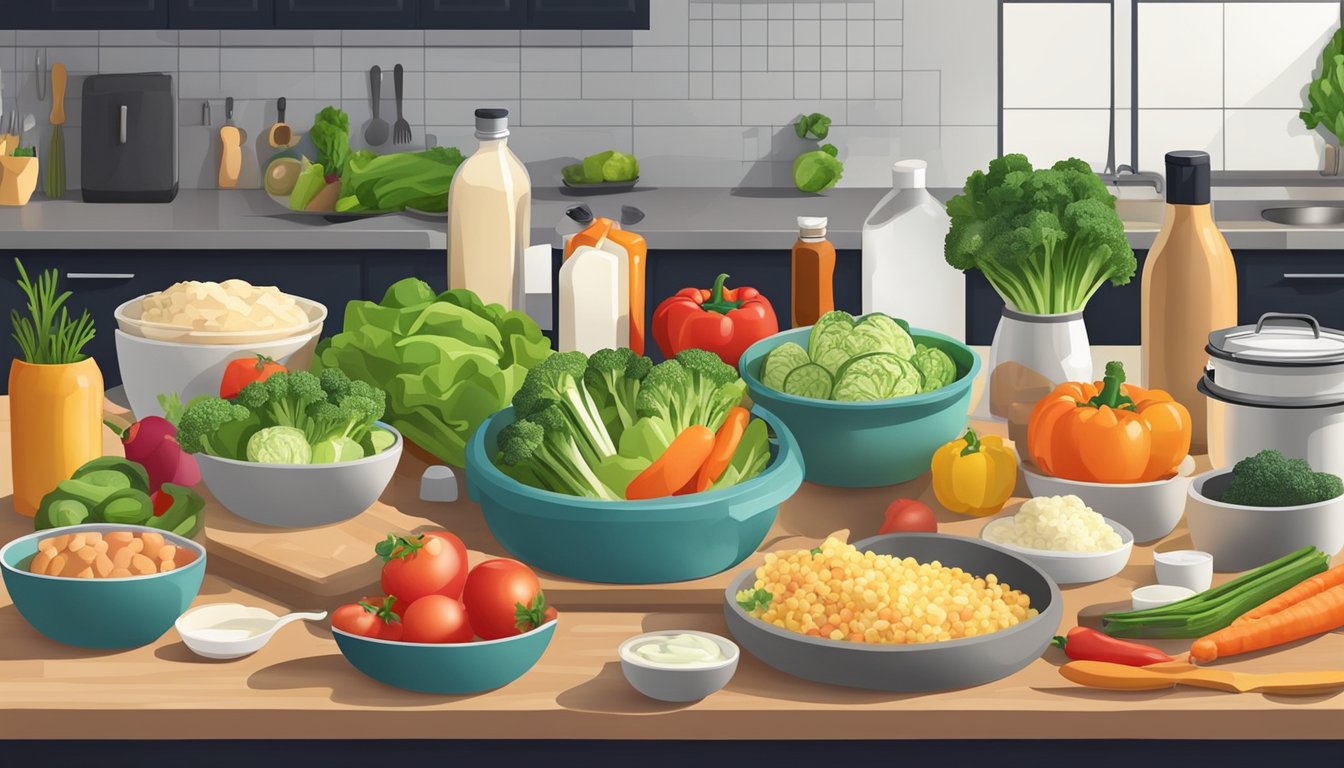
pixel 1031 355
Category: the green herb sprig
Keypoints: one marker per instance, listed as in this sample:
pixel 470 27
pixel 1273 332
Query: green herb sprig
pixel 49 336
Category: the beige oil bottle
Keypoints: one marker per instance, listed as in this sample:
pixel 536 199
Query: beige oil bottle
pixel 1189 290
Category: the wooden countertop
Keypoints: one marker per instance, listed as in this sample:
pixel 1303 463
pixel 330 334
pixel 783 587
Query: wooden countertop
pixel 299 686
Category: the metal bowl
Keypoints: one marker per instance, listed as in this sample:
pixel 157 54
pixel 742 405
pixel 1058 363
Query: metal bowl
pixel 912 668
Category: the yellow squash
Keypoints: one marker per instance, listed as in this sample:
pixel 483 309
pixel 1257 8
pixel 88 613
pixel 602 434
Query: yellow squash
pixel 56 425
pixel 974 475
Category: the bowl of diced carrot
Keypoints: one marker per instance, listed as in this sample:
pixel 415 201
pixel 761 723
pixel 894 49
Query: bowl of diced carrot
pixel 102 585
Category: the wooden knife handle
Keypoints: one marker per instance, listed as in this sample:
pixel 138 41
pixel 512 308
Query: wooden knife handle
pixel 1115 677
pixel 58 94
pixel 230 157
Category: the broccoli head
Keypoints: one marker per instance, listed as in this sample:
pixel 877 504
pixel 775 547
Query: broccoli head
pixel 216 426
pixel 695 387
pixel 613 379
pixel 282 400
pixel 1270 479
pixel 558 381
pixel 544 444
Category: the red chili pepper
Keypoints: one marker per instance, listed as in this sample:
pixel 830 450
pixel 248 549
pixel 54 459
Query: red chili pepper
pixel 722 320
pixel 1083 644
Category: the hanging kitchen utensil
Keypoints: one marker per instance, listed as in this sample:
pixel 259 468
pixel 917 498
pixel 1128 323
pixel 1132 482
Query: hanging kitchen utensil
pixel 280 133
pixel 401 132
pixel 55 186
pixel 205 113
pixel 231 149
pixel 376 134
pixel 40 67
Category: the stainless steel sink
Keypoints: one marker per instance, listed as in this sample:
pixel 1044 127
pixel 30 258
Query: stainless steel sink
pixel 1306 215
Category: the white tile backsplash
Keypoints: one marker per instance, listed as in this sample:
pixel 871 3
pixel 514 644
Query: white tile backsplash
pixel 1287 39
pixel 1180 55
pixel 1048 135
pixel 1051 51
pixel 1164 130
pixel 1247 150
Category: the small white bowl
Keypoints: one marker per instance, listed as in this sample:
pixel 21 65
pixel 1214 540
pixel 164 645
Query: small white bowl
pixel 1187 568
pixel 1241 538
pixel 1149 510
pixel 1072 567
pixel 1158 595
pixel 666 682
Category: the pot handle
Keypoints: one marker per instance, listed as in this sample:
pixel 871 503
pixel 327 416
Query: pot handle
pixel 1270 317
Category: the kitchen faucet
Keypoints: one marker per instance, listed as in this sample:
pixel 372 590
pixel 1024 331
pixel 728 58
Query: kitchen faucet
pixel 1127 176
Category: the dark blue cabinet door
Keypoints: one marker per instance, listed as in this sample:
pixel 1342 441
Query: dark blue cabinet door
pixel 221 14
pixel 347 14
pixel 473 14
pixel 1308 282
pixel 86 14
pixel 588 14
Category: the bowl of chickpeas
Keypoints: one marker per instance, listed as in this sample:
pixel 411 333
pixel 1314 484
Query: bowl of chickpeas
pixel 903 612
pixel 102 585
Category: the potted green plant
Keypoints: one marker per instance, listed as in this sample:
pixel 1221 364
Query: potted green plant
pixel 1325 100
pixel 55 392
pixel 1046 239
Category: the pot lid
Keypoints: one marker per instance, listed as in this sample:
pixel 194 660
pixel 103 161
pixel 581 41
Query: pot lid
pixel 1279 339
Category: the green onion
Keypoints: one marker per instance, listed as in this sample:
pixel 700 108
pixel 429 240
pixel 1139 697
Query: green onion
pixel 1216 608
pixel 48 336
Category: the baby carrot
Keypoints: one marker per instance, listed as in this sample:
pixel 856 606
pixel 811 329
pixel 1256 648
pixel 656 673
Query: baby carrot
pixel 675 467
pixel 1312 586
pixel 1316 614
pixel 725 445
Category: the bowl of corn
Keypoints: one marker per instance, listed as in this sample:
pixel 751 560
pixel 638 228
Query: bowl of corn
pixel 938 612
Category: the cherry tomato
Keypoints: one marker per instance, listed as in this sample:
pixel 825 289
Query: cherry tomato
pixel 436 619
pixel 245 370
pixel 495 591
pixel 370 617
pixel 909 516
pixel 434 563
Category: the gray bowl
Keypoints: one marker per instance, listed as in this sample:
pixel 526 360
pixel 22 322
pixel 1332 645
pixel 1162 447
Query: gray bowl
pixel 912 668
pixel 300 495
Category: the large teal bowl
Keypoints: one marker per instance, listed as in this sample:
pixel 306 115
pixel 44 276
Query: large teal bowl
pixel 678 538
pixel 862 445
pixel 100 613
pixel 452 668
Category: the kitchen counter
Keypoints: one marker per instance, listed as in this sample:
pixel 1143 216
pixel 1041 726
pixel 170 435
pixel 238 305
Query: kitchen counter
pixel 673 218
pixel 299 686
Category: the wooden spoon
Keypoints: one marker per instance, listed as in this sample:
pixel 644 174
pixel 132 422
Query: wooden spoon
pixel 231 149
pixel 280 132
pixel 1120 677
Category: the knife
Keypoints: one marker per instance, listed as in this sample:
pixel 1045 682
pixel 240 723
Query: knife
pixel 1119 677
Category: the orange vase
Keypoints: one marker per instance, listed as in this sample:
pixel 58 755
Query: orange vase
pixel 55 425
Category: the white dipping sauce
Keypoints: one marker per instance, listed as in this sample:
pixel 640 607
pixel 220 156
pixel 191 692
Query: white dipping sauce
pixel 682 650
pixel 233 630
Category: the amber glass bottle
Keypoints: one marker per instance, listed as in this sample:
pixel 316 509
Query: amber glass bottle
pixel 813 272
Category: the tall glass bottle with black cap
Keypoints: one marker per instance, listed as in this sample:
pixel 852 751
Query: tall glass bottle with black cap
pixel 489 216
pixel 1189 290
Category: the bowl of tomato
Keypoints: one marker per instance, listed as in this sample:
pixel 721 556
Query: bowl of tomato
pixel 443 628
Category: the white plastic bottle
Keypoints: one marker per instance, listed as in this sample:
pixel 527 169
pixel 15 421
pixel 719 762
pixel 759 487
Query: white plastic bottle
pixel 594 307
pixel 904 273
pixel 490 216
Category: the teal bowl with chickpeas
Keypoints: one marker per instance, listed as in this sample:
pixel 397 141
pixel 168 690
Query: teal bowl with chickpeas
pixel 102 612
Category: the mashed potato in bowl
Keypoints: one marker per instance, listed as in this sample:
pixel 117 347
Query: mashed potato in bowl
pixel 233 305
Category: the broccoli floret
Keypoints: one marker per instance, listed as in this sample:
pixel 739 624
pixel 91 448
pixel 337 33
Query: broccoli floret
pixel 1045 238
pixel 334 383
pixel 558 381
pixel 215 426
pixel 613 379
pixel 282 400
pixel 349 409
pixel 715 387
pixel 663 395
pixel 545 445
pixel 1270 479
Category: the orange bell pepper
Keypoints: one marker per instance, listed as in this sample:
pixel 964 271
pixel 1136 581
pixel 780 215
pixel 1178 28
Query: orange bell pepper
pixel 1108 432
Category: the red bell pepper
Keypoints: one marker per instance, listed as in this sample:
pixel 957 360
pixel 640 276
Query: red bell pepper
pixel 722 320
pixel 1083 644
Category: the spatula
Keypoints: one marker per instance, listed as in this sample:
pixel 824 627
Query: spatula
pixel 231 149
pixel 375 135
pixel 1119 677
pixel 55 179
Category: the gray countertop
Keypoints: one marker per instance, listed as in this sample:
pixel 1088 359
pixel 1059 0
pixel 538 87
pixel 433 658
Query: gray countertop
pixel 672 218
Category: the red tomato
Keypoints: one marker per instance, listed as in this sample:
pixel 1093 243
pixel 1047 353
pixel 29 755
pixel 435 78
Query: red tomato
pixel 909 516
pixel 370 617
pixel 436 619
pixel 245 370
pixel 434 563
pixel 496 591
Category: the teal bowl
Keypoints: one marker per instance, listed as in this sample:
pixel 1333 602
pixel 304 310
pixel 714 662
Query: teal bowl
pixel 654 541
pixel 863 445
pixel 450 668
pixel 100 613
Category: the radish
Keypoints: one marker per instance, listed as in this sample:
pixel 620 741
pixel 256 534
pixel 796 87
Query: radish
pixel 152 443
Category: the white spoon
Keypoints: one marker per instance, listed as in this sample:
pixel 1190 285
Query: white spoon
pixel 231 630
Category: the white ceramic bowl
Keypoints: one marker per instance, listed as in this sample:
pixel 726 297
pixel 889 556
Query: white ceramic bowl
pixel 128 317
pixel 1241 538
pixel 151 368
pixel 678 684
pixel 1157 595
pixel 300 495
pixel 1072 567
pixel 1149 510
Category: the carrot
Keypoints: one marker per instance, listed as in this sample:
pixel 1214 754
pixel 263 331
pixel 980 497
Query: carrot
pixel 1319 613
pixel 725 445
pixel 675 467
pixel 1312 586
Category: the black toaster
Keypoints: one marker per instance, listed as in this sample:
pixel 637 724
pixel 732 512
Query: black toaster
pixel 128 140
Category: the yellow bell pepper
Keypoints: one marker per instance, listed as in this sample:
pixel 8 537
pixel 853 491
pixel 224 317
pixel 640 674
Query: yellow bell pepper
pixel 974 475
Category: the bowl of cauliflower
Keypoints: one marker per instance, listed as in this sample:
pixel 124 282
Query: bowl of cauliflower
pixel 1065 538
pixel 1149 510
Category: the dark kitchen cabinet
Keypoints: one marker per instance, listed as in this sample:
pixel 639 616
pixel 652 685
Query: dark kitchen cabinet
pixel 347 14
pixel 473 14
pixel 86 14
pixel 221 14
pixel 1309 282
pixel 588 14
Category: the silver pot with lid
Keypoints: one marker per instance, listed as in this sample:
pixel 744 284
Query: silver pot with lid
pixel 1286 359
